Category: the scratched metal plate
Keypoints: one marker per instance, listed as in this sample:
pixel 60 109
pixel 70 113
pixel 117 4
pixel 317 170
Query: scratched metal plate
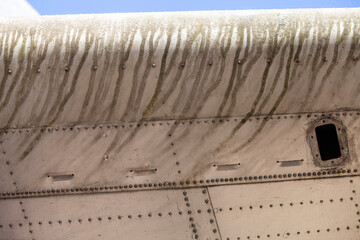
pixel 170 151
pixel 149 214
pixel 13 225
pixel 312 209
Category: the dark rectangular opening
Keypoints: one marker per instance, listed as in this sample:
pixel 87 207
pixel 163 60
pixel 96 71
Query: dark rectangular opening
pixel 328 142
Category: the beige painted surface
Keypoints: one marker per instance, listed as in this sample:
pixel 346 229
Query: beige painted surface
pixel 102 115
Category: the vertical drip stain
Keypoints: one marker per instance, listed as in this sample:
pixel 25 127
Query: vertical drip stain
pixel 113 144
pixel 239 43
pixel 251 61
pixel 152 48
pixel 140 94
pixel 29 76
pixel 199 74
pixel 278 101
pixel 89 39
pixel 179 73
pixel 330 69
pixel 276 79
pixel 21 59
pixel 123 59
pixel 195 68
pixel 96 54
pixel 320 54
pixel 8 55
pixel 160 81
pixel 106 73
pixel 216 83
pixel 53 66
pixel 71 51
pixel 272 50
pixel 130 102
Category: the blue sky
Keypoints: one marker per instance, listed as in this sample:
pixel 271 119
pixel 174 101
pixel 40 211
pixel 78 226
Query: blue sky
pixel 51 7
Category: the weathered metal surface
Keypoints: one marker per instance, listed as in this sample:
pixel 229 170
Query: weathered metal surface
pixel 291 61
pixel 99 113
pixel 167 152
pixel 314 209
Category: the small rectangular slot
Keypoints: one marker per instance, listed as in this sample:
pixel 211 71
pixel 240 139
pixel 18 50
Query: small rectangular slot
pixel 225 167
pixel 61 177
pixel 143 171
pixel 290 163
pixel 328 142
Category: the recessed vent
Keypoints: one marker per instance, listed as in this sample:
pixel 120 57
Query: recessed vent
pixel 328 142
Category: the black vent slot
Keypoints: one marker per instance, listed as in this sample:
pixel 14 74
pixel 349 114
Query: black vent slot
pixel 328 142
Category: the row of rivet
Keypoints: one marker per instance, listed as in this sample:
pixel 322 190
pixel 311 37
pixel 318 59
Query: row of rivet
pixel 291 204
pixel 356 204
pixel 119 217
pixel 287 234
pixel 182 65
pixel 191 218
pixel 212 221
pixel 194 183
pixel 172 122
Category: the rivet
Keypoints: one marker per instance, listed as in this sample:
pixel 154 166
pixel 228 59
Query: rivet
pixel 67 69
pixel 210 63
pixel 38 70
pixel 268 60
pixel 239 61
pixel 325 59
pixel 182 65
pixel 9 71
pixel 153 65
pixel 95 67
